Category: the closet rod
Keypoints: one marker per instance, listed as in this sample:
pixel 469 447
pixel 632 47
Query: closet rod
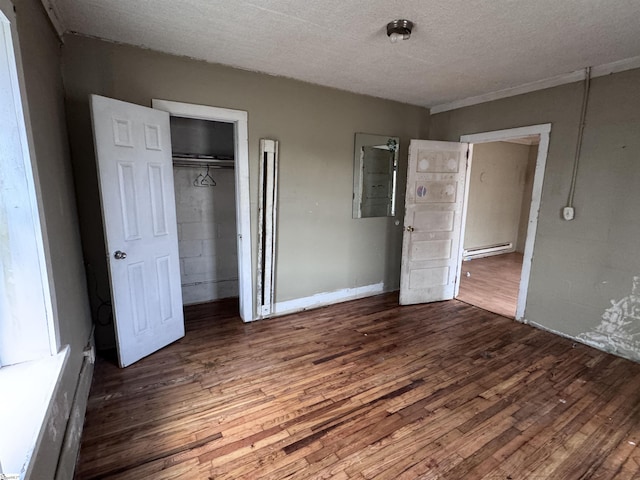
pixel 202 165
pixel 202 161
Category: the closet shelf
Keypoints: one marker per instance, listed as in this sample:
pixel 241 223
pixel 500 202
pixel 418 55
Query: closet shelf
pixel 199 161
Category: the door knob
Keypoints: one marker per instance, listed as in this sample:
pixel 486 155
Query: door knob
pixel 120 255
pixel 409 228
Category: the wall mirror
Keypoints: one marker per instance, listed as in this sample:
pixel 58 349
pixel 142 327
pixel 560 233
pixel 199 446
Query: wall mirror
pixel 375 163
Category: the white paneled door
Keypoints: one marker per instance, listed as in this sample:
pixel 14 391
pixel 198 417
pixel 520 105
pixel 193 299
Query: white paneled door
pixel 433 221
pixel 133 151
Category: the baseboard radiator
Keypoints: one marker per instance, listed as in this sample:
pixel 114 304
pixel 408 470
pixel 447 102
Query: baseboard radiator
pixel 480 252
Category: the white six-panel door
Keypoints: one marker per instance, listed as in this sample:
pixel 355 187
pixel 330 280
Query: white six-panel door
pixel 133 151
pixel 433 221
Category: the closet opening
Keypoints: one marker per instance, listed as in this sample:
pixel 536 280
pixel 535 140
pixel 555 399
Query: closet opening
pixel 210 151
pixel 203 154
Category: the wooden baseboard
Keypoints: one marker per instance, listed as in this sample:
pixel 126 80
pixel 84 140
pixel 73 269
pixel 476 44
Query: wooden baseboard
pixel 73 433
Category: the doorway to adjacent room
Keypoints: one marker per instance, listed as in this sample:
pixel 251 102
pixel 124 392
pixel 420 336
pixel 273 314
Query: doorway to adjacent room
pixel 502 199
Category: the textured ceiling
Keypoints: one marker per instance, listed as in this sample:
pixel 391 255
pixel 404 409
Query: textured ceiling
pixel 459 48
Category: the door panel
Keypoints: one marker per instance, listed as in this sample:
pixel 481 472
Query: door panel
pixel 433 221
pixel 133 153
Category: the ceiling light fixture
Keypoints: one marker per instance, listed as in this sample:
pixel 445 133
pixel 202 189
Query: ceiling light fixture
pixel 399 30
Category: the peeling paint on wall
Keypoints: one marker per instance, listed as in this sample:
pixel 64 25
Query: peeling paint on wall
pixel 619 331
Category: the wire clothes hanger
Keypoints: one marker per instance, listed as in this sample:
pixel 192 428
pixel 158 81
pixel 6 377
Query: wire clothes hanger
pixel 205 180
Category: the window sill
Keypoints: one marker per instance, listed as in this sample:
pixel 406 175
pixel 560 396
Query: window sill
pixel 27 389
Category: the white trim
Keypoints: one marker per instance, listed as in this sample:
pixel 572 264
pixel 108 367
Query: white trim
pixel 465 202
pixel 544 131
pixel 243 206
pixel 575 76
pixel 54 17
pixel 267 226
pixel 614 67
pixel 502 135
pixel 327 298
pixel 27 407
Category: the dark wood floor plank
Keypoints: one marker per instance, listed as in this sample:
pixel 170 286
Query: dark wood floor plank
pixel 364 389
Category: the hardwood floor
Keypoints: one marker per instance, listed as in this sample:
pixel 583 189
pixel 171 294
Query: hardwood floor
pixel 365 389
pixel 493 283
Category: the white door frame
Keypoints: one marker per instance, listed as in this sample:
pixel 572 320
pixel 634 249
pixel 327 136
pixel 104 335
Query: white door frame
pixel 544 131
pixel 239 118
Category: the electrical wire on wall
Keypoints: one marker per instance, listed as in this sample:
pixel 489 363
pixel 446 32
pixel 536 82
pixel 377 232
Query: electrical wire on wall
pixel 568 211
pixel 104 312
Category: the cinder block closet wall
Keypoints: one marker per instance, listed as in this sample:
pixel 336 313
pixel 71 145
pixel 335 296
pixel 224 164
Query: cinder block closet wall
pixel 206 234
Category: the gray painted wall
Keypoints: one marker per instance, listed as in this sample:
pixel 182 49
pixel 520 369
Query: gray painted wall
pixel 496 188
pixel 579 267
pixel 40 51
pixel 320 247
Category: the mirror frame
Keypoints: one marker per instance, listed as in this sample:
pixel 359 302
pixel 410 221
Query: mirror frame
pixel 369 140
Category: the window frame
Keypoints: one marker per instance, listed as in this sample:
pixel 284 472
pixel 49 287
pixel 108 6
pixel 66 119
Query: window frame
pixel 47 345
pixel 32 361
